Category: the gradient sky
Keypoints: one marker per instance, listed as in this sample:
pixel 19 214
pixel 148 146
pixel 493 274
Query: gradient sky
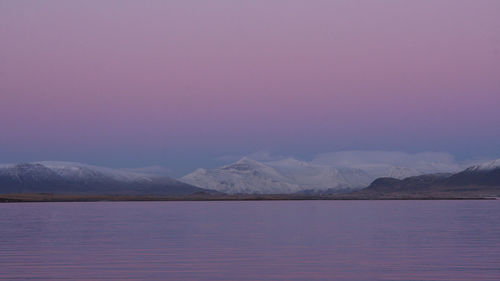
pixel 184 83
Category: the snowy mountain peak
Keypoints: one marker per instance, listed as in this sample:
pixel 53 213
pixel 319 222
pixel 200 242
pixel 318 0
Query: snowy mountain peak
pixel 245 159
pixel 245 164
pixel 243 176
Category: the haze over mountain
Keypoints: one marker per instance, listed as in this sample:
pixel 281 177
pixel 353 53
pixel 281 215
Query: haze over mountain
pixel 395 164
pixel 77 178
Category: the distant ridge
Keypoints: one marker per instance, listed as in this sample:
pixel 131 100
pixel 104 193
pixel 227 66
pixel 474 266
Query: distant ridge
pixel 483 179
pixel 77 178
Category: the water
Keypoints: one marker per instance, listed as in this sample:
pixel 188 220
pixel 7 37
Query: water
pixel 288 240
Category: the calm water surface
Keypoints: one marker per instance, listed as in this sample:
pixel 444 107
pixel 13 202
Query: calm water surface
pixel 288 240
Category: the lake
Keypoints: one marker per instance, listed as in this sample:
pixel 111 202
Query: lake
pixel 252 240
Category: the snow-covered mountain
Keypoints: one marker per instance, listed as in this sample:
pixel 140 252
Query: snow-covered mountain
pixel 328 172
pixel 284 176
pixel 243 176
pixel 77 178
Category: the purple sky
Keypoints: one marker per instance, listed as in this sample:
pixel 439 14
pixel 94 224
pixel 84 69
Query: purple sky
pixel 181 83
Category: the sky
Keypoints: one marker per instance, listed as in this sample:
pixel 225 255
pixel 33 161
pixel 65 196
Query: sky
pixel 187 84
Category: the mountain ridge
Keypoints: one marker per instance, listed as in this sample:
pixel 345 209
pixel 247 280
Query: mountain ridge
pixel 482 179
pixel 77 178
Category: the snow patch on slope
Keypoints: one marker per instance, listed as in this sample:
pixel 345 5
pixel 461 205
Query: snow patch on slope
pixel 488 166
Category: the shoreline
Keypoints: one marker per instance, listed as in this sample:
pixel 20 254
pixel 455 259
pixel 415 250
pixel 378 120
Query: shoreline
pixel 39 198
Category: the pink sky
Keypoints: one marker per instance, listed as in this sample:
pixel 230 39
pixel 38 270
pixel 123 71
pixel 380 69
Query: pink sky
pixel 164 82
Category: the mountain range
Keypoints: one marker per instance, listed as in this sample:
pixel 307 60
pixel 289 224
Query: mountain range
pixel 248 176
pixel 283 176
pixel 290 175
pixel 481 180
pixel 77 178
